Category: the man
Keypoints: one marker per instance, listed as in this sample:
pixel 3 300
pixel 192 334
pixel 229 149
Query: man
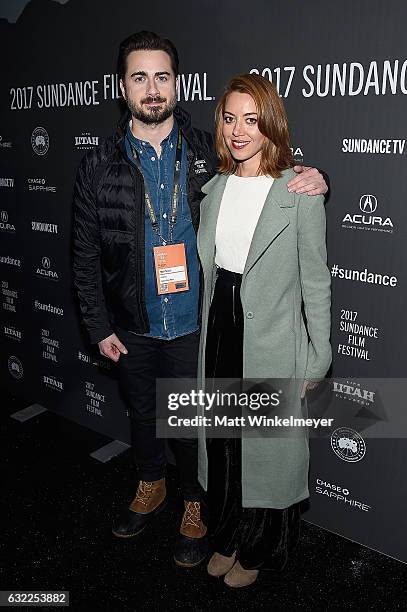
pixel 137 200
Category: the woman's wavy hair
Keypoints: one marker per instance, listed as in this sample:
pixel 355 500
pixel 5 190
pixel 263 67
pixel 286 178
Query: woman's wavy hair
pixel 272 123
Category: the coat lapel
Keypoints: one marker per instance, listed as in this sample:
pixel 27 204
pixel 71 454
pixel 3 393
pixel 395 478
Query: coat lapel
pixel 209 217
pixel 272 220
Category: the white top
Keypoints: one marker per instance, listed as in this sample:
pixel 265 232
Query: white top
pixel 240 209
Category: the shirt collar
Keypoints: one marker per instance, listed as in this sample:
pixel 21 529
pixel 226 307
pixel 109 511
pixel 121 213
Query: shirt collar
pixel 171 139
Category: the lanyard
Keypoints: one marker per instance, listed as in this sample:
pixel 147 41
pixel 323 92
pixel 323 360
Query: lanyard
pixel 175 191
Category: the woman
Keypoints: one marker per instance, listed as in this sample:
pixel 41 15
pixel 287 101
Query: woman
pixel 263 256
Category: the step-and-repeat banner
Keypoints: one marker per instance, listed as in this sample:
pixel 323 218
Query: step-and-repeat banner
pixel 342 72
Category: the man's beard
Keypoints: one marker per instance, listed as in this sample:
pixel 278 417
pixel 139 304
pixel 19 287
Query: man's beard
pixel 155 114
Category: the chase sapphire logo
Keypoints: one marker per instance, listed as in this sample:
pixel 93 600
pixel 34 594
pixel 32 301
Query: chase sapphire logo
pixel 40 141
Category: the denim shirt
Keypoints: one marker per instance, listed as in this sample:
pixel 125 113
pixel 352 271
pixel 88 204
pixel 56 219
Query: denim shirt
pixel 173 314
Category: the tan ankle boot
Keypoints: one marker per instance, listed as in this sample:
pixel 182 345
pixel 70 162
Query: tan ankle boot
pixel 238 577
pixel 149 496
pixel 219 565
pixel 191 524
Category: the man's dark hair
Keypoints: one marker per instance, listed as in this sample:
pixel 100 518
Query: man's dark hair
pixel 145 41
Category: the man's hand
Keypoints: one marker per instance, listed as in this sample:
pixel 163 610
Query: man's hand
pixel 308 386
pixel 309 180
pixel 111 347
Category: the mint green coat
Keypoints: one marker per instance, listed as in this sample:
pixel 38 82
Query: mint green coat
pixel 285 267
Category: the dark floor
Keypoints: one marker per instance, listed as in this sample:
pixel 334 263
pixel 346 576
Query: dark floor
pixel 57 506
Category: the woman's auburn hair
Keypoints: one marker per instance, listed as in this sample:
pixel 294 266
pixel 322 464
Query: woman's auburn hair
pixel 272 123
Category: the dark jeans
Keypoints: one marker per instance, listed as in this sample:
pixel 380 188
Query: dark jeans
pixel 147 360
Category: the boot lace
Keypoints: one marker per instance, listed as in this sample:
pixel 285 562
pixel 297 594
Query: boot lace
pixel 192 514
pixel 144 491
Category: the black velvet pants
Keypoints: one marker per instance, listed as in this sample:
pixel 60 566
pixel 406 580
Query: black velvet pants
pixel 262 537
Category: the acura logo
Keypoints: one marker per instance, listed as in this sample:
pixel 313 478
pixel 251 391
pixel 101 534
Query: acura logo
pixel 4 216
pixel 368 204
pixel 46 263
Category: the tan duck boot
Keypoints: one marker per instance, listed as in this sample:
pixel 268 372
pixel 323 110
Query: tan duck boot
pixel 148 502
pixel 191 546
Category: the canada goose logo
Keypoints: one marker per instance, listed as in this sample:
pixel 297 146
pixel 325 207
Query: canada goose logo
pixel 15 367
pixel 348 444
pixel 40 141
pixel 200 166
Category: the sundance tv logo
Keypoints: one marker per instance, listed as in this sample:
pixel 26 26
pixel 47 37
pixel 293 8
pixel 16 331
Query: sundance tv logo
pixel 42 226
pixel 374 146
pixel 7 182
pixel 40 141
pixel 366 219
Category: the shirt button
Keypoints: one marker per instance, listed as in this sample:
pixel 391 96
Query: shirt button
pixel 165 300
pixel 143 143
pixel 153 159
pixel 164 215
pixel 249 314
pixel 162 185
